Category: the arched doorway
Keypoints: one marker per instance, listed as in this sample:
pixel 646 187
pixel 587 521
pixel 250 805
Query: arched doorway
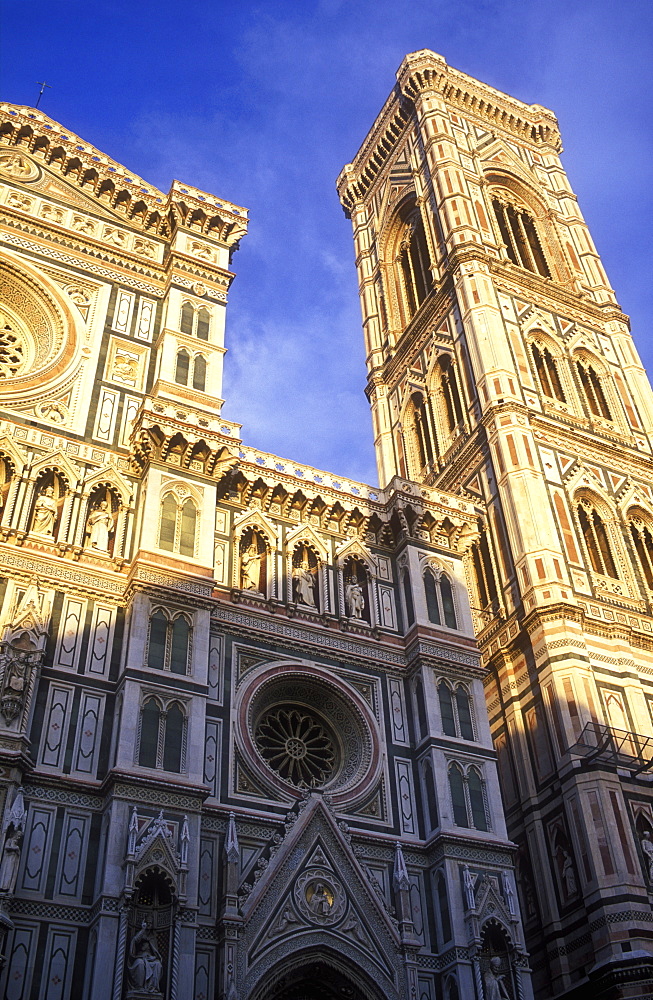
pixel 317 977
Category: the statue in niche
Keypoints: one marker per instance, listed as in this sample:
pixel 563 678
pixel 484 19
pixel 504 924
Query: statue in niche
pixel 568 874
pixel 13 840
pixel 99 527
pixel 304 581
pixel 16 680
pixel 494 984
pixel 354 597
pixel 145 967
pixel 647 849
pixel 251 565
pixel 45 512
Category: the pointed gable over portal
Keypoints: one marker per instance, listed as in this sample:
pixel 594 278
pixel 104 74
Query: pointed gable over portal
pixel 314 903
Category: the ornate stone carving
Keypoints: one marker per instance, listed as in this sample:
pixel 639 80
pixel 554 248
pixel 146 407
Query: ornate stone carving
pixel 320 897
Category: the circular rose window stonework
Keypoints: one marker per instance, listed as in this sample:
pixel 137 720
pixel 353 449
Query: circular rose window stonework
pixel 301 728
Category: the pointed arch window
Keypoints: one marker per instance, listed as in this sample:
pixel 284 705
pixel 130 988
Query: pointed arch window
pixel 178 525
pixel 439 598
pixel 413 263
pixel 596 540
pixel 199 373
pixel 468 797
pixel 195 322
pixel 547 373
pixel 169 642
pixel 186 365
pixel 182 368
pixel 640 532
pixel 593 390
pixel 422 429
pixel 162 736
pixel 484 572
pixel 443 907
pixel 519 235
pixel 450 393
pixel 456 711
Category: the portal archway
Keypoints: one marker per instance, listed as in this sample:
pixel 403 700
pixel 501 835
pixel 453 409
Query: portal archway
pixel 317 976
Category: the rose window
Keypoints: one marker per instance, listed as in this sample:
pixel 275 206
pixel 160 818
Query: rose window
pixel 297 745
pixel 12 349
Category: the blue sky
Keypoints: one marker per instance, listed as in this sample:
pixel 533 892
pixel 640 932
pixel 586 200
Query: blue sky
pixel 263 103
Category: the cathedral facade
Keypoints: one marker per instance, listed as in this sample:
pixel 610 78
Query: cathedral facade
pixel 501 368
pixel 244 749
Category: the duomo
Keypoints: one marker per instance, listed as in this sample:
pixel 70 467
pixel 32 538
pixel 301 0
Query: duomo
pixel 267 733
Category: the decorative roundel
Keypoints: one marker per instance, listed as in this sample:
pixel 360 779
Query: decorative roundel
pixel 301 727
pixel 320 897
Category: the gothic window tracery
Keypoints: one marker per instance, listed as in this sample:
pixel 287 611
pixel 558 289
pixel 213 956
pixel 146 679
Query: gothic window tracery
pixel 13 355
pixel 450 390
pixel 422 430
pixel 484 572
pixel 547 372
pixel 187 364
pixel 641 533
pixel 520 237
pixel 468 797
pixel 439 597
pixel 592 388
pixel 162 736
pixel 456 711
pixel 195 321
pixel 169 642
pixel 595 535
pixel 178 525
pixel 412 265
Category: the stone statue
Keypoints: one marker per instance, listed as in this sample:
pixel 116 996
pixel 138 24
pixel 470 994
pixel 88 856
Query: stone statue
pixel 647 848
pixel 568 874
pixel 10 859
pixel 469 883
pixel 45 512
pixel 15 682
pixel 508 892
pixel 494 984
pixel 304 584
pixel 99 527
pixel 145 967
pixel 319 902
pixel 354 598
pixel 250 567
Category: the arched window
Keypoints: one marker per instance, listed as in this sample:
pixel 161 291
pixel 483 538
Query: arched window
pixel 422 429
pixel 458 800
pixel 431 804
pixel 420 705
pixel 439 598
pixel 187 318
pixel 477 799
pixel 162 737
pixel 174 739
pixel 547 373
pixel 203 324
pixel 640 532
pixel 484 572
pixel 412 261
pixel 443 907
pixel 456 711
pixel 169 643
pixel 182 367
pixel 157 647
pixel 149 737
pixel 199 373
pixel 593 390
pixel 450 393
pixel 520 238
pixel 468 797
pixel 596 540
pixel 178 525
pixel 408 598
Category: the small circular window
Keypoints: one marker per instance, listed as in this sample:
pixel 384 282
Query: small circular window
pixel 298 745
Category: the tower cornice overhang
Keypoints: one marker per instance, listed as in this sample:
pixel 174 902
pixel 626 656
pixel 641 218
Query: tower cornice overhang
pixel 425 72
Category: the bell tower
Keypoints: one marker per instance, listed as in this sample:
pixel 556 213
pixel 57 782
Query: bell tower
pixel 501 367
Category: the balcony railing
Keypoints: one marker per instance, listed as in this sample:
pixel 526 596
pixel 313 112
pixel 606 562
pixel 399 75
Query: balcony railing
pixel 615 747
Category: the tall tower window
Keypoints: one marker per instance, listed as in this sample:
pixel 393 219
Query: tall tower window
pixel 412 262
pixel 640 533
pixel 186 364
pixel 593 390
pixel 596 540
pixel 547 373
pixel 178 525
pixel 162 736
pixel 194 321
pixel 450 392
pixel 169 643
pixel 455 711
pixel 520 238
pixel 468 797
pixel 439 598
pixel 422 429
